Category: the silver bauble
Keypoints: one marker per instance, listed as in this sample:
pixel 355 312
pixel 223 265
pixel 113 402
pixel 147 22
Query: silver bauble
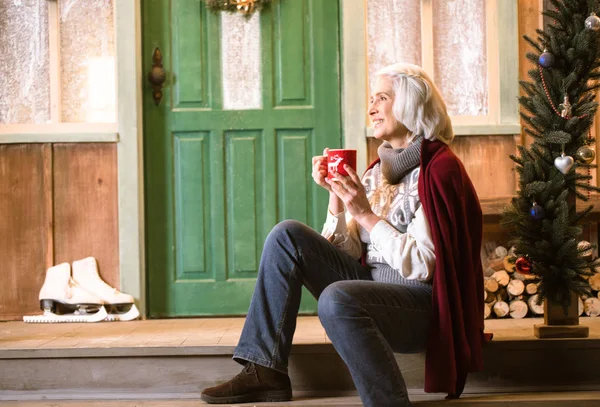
pixel 585 155
pixel 592 22
pixel 564 163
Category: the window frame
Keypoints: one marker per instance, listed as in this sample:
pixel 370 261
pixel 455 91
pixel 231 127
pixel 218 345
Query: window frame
pixel 502 74
pixel 55 131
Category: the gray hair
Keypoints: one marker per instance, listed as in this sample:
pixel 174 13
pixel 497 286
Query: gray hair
pixel 418 103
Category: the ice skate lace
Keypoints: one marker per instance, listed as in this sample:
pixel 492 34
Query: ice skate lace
pixel 69 288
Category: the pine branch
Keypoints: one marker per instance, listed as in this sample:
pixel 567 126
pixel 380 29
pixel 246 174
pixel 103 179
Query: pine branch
pixel 583 214
pixel 534 188
pixel 528 88
pixel 587 187
pixel 528 120
pixel 558 137
pixel 533 43
pixel 581 177
pixel 578 194
pixel 532 133
pixel 544 39
pixel 516 159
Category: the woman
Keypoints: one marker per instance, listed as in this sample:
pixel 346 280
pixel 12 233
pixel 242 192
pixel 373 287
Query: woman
pixel 415 221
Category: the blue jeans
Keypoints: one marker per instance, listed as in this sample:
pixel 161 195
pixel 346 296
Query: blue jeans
pixel 367 321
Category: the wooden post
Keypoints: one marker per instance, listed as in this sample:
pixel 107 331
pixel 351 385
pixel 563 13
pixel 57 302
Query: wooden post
pixel 558 324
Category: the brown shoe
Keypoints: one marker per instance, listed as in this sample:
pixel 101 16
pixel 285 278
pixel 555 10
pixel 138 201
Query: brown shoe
pixel 254 384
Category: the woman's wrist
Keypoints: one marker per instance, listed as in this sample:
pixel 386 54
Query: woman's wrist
pixel 336 205
pixel 367 220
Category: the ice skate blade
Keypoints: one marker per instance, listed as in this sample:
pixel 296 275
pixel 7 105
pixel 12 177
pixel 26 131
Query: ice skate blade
pixel 50 317
pixel 130 315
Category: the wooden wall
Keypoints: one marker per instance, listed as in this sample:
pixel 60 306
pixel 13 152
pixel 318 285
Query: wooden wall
pixel 58 204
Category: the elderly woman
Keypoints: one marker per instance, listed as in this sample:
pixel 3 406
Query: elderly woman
pixel 414 220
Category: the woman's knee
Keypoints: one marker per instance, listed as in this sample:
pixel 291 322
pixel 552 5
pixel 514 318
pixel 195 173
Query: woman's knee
pixel 288 227
pixel 290 233
pixel 337 301
pixel 283 241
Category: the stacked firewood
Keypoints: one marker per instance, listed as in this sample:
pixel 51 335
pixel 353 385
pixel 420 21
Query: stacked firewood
pixel 508 292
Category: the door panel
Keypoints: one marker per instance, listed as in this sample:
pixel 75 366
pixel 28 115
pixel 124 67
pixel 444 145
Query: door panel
pixel 191 220
pixel 219 175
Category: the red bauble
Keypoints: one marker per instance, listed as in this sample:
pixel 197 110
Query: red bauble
pixel 523 265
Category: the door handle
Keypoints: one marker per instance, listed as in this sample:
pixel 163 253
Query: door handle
pixel 157 76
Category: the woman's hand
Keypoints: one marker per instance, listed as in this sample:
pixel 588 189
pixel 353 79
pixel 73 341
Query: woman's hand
pixel 319 174
pixel 319 170
pixel 352 192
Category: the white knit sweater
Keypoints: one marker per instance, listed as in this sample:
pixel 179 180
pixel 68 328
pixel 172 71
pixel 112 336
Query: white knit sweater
pixel 402 240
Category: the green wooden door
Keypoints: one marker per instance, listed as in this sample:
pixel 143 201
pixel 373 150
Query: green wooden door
pixel 227 152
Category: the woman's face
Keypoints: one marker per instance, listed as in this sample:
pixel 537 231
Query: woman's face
pixel 385 126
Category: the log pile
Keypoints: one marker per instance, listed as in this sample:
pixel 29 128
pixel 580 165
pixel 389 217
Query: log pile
pixel 508 293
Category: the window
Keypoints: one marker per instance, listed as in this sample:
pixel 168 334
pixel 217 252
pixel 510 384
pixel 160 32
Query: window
pixel 58 66
pixel 468 47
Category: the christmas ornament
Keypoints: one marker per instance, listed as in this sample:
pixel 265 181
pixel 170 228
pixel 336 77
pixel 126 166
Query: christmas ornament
pixel 565 108
pixel 546 59
pixel 537 212
pixel 592 22
pixel 523 265
pixel 585 155
pixel 564 163
pixel 246 7
pixel 585 249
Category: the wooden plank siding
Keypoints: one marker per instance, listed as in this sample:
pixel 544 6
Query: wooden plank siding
pixel 85 206
pixel 25 227
pixel 58 203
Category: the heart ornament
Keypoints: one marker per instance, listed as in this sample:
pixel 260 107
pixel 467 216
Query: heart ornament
pixel 564 163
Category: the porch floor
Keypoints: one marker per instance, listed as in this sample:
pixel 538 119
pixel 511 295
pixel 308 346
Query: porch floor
pixel 193 332
pixel 205 332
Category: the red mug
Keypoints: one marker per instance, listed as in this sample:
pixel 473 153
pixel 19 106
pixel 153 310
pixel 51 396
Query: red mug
pixel 336 160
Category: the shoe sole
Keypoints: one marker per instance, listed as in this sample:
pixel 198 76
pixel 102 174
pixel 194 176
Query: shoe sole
pixel 259 396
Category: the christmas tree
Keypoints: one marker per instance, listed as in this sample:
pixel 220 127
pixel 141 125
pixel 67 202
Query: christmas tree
pixel 558 110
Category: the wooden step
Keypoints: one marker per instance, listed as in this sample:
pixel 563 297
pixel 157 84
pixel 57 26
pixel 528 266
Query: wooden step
pixel 567 399
pixel 178 358
pixel 510 367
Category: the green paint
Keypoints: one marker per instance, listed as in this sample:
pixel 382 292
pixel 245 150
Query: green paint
pixel 189 31
pixel 242 205
pixel 218 180
pixel 294 164
pixel 192 216
pixel 290 42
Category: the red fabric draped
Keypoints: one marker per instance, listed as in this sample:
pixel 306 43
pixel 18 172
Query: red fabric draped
pixel 452 209
pixel 454 215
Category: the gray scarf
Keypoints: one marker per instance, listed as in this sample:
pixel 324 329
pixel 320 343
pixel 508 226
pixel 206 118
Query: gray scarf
pixel 397 162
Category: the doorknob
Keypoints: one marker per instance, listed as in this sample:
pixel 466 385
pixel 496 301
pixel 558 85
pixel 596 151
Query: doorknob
pixel 157 76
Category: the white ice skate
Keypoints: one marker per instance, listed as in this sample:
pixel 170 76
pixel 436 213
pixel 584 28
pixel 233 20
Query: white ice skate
pixel 119 305
pixel 62 300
